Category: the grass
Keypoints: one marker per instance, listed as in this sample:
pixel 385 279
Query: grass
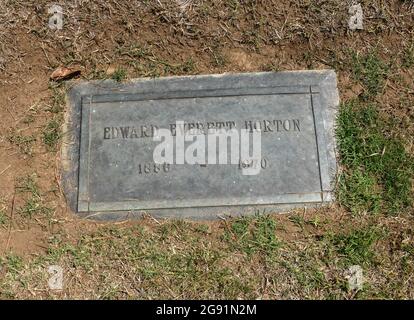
pixel 272 66
pixel 253 235
pixel 305 270
pixel 33 205
pixel 148 64
pixel 3 217
pixel 28 184
pixel 244 258
pixel 217 58
pixel 13 263
pixel 57 100
pixel 119 75
pixel 378 170
pixel 301 221
pixel 370 71
pixel 23 142
pixel 356 247
pixel 359 192
pixel 52 134
pixel 408 57
pixel 151 256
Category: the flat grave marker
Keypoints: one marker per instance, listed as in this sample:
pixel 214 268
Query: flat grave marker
pixel 109 170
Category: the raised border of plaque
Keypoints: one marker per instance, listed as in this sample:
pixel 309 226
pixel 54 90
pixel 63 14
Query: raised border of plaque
pixel 321 85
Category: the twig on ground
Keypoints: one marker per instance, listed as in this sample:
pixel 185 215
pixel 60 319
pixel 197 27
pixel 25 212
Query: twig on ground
pixel 5 169
pixel 11 222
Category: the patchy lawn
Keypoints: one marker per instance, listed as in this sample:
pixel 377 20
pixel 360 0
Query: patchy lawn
pixel 300 254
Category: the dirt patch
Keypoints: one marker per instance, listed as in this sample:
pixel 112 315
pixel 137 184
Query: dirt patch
pixel 244 61
pixel 25 242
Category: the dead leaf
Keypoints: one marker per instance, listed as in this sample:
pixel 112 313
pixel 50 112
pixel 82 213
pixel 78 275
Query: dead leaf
pixel 111 70
pixel 63 73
